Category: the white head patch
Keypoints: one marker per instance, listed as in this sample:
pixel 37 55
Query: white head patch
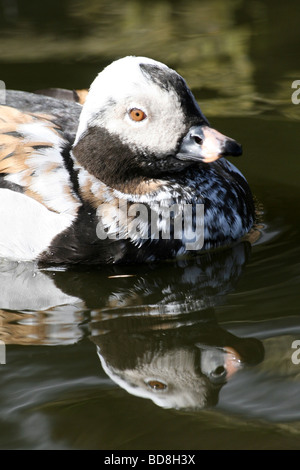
pixel 121 87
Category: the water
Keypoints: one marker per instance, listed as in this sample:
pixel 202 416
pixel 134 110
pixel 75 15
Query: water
pixel 110 358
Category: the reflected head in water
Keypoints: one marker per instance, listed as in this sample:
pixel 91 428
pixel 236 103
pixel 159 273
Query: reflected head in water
pixel 179 363
pixel 170 348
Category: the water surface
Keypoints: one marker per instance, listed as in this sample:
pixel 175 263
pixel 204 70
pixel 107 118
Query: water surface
pixel 134 357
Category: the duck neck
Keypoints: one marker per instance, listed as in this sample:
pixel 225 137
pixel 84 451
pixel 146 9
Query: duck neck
pixel 109 159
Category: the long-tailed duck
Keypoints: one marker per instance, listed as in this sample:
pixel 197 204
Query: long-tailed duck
pixel 107 181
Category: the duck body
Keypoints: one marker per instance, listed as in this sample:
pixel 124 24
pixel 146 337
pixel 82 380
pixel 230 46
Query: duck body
pixel 101 183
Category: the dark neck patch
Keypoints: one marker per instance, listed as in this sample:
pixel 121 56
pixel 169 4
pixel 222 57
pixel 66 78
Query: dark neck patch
pixel 116 164
pixel 105 156
pixel 170 80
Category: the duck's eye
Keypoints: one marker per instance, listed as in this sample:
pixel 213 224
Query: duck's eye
pixel 137 114
pixel 156 385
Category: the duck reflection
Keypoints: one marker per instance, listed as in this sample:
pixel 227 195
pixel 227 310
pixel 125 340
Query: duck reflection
pixel 170 348
pixel 178 362
pixel 154 327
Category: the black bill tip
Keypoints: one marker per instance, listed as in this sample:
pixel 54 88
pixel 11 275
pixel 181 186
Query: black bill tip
pixel 231 148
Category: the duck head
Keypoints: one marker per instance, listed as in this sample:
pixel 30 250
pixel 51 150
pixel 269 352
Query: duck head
pixel 140 119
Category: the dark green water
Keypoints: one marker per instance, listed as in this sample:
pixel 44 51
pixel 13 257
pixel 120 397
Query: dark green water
pixel 83 347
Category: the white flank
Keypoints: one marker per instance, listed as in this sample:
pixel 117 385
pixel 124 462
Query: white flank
pixel 26 226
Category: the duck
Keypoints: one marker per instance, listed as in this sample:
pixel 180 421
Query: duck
pixel 131 173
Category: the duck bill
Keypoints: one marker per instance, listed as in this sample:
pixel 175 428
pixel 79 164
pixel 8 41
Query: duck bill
pixel 204 144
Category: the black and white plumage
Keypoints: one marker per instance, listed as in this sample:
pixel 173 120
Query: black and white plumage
pixel 139 138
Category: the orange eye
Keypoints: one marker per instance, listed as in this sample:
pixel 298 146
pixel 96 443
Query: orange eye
pixel 137 114
pixel 156 385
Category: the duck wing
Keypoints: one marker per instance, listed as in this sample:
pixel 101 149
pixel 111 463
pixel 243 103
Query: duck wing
pixel 37 196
